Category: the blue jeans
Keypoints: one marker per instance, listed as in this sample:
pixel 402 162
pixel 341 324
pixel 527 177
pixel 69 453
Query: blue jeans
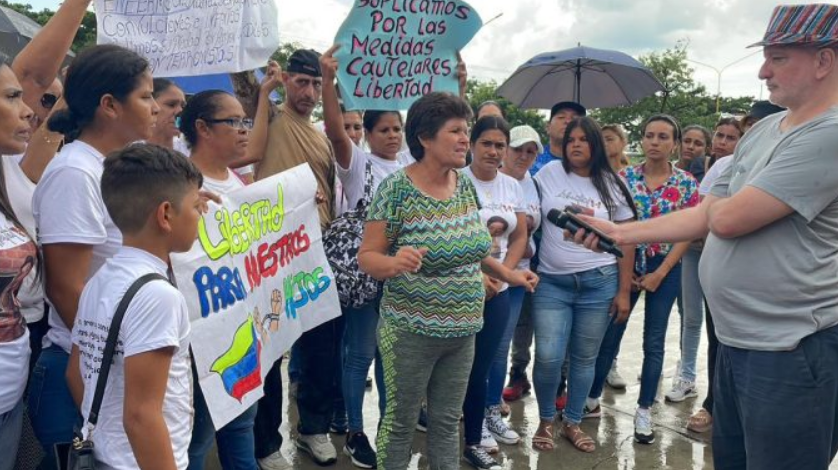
pixel 655 320
pixel 51 407
pixel 235 439
pixel 360 349
pixel 692 315
pixel 570 309
pixel 497 373
pixel 495 315
pixel 11 423
pixel 777 409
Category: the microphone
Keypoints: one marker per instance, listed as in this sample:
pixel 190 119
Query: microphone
pixel 568 221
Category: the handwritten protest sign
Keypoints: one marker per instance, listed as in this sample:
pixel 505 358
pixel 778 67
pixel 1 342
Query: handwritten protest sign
pixel 395 51
pixel 255 279
pixel 191 37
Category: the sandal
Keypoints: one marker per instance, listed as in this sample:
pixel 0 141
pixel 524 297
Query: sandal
pixel 543 438
pixel 578 438
pixel 505 409
pixel 701 421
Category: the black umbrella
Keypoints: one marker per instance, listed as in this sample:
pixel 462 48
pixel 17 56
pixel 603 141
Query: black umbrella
pixel 16 30
pixel 595 78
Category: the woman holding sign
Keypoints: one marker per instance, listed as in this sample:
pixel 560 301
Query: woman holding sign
pixel 217 131
pixel 383 132
pixel 425 239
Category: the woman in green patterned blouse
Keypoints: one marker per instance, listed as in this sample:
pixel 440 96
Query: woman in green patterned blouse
pixel 424 237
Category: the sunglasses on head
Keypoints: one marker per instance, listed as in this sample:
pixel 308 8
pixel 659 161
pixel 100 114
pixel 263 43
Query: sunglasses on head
pixel 48 100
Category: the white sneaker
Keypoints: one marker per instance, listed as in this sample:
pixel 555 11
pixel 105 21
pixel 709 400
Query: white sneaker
pixel 681 390
pixel 643 432
pixel 498 428
pixel 487 440
pixel 592 409
pixel 614 379
pixel 275 461
pixel 319 447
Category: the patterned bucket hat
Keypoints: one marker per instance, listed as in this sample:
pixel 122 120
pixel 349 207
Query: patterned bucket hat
pixel 814 24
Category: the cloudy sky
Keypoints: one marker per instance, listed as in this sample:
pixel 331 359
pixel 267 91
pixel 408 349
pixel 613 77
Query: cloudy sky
pixel 717 32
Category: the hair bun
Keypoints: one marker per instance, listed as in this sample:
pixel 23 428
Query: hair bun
pixel 63 121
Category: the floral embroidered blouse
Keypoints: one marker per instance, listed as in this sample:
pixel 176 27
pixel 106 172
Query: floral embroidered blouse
pixel 678 192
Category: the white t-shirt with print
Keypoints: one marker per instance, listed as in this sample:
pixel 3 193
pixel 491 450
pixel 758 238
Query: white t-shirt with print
pixel 232 183
pixel 500 202
pixel 156 318
pixel 20 190
pixel 353 178
pixel 16 253
pixel 68 208
pixel 532 210
pixel 559 190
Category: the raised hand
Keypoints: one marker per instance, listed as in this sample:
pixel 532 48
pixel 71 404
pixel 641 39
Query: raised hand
pixel 272 79
pixel 328 64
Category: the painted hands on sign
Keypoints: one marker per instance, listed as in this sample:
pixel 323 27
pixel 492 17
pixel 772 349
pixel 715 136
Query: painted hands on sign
pixel 408 260
pixel 273 77
pixel 329 64
pixel 589 240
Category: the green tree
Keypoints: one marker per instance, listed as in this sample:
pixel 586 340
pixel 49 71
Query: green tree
pixel 284 51
pixel 478 92
pixel 85 36
pixel 688 101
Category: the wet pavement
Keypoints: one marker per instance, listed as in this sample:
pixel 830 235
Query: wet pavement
pixel 675 448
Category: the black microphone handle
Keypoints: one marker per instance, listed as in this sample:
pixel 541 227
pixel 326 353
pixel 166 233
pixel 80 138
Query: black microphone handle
pixel 604 245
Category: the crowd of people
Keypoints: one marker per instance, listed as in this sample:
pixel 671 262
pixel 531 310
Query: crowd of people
pixel 108 170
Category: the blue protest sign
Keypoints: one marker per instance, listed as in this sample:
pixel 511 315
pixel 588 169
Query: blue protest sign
pixel 395 51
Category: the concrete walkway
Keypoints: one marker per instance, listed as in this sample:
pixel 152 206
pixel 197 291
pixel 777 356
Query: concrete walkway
pixel 675 448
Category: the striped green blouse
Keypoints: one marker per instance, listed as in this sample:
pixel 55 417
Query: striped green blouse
pixel 445 298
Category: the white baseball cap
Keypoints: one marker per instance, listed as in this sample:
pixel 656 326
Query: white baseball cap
pixel 521 135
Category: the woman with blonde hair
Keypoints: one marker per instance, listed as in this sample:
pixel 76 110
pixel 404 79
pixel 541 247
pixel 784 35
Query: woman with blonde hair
pixel 615 146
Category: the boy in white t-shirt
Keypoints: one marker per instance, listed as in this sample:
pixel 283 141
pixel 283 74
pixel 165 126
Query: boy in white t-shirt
pixel 145 420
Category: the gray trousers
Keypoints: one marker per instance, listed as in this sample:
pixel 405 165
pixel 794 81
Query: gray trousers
pixel 415 366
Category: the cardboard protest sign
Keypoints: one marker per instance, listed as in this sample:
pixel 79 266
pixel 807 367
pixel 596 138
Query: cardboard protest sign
pixel 395 51
pixel 255 279
pixel 191 37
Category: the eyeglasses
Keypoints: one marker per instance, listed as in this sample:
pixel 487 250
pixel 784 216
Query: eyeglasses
pixel 236 123
pixel 48 100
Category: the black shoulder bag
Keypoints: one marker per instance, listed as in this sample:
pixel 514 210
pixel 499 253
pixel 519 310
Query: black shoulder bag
pixel 341 243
